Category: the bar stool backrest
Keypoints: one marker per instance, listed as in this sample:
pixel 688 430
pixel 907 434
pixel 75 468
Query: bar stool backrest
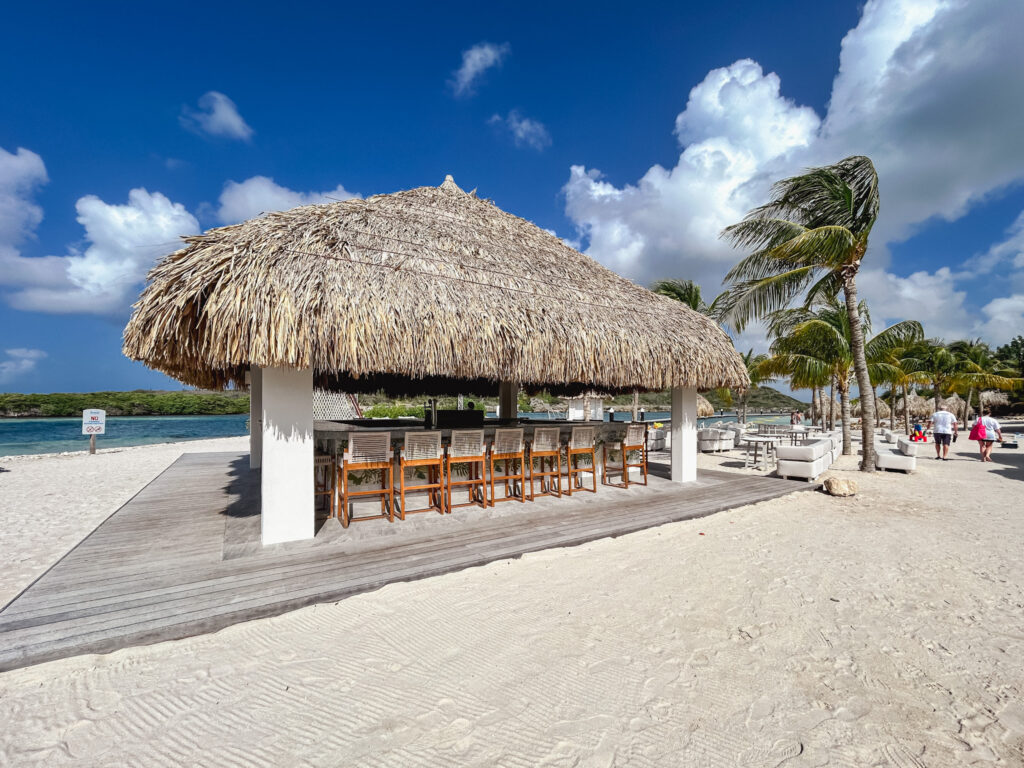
pixel 508 440
pixel 467 442
pixel 368 447
pixel 545 439
pixel 322 460
pixel 634 434
pixel 422 445
pixel 582 437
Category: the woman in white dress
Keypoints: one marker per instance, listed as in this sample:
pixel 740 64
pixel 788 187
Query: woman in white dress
pixel 991 434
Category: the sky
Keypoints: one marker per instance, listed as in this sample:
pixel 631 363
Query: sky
pixel 636 133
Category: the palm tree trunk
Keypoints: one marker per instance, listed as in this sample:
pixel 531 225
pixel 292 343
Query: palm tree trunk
pixel 815 405
pixel 906 408
pixel 860 365
pixel 844 402
pixel 892 408
pixel 967 405
pixel 832 405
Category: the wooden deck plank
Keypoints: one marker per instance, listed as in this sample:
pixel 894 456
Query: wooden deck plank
pixel 156 569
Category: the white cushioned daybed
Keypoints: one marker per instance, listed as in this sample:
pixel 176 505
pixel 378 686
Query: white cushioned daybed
pixel 709 439
pixel 805 461
pixel 902 458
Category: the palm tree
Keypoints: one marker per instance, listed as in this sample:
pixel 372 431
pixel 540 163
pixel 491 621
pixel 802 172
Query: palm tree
pixel 946 368
pixel 686 291
pixel 814 344
pixel 986 361
pixel 758 373
pixel 810 237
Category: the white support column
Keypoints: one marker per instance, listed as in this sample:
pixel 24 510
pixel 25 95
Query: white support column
pixel 508 400
pixel 255 417
pixel 287 482
pixel 684 435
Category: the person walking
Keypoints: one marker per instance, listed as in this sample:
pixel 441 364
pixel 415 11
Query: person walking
pixel 944 430
pixel 988 432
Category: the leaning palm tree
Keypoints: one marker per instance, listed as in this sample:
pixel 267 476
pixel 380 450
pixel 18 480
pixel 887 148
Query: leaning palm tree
pixel 685 291
pixel 814 344
pixel 809 238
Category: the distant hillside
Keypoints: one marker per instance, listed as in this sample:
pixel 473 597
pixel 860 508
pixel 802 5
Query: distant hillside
pixel 137 403
pixel 761 399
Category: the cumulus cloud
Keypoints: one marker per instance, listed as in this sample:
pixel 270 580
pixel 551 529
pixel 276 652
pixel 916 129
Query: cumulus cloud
pixel 525 131
pixel 936 299
pixel 217 116
pixel 242 200
pixel 475 62
pixel 18 363
pixel 21 173
pixel 123 242
pixel 922 89
pixel 736 125
pixel 1004 318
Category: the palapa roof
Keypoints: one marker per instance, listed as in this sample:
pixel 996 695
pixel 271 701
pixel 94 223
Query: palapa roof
pixel 705 409
pixel 408 292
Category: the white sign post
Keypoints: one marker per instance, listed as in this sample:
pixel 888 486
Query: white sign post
pixel 94 422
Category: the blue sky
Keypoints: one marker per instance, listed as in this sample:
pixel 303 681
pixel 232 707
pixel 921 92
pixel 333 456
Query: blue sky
pixel 634 133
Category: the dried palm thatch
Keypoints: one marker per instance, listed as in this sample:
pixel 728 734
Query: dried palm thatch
pixel 919 407
pixel 990 398
pixel 704 408
pixel 427 290
pixel 882 410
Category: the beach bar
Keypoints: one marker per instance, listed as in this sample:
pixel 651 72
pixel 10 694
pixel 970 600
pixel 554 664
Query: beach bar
pixel 429 291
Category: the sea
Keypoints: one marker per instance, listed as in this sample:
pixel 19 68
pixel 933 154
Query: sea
pixel 56 435
pixel 25 436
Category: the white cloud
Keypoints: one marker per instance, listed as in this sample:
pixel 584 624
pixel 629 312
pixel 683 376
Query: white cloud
pixel 242 200
pixel 476 61
pixel 1004 318
pixel 1006 253
pixel 21 173
pixel 18 363
pixel 936 299
pixel 923 88
pixel 124 241
pixel 735 125
pixel 526 132
pixel 217 116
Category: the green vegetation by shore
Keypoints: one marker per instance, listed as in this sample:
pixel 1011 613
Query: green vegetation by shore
pixel 135 403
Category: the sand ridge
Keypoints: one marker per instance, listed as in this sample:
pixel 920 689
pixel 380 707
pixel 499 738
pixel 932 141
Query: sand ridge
pixel 882 630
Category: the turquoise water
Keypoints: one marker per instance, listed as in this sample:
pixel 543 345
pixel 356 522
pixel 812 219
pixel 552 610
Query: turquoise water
pixel 21 436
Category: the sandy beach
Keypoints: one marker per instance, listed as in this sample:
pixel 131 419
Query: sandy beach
pixel 881 630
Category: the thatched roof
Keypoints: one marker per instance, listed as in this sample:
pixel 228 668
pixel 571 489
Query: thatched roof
pixel 704 408
pixel 408 292
pixel 881 408
pixel 919 407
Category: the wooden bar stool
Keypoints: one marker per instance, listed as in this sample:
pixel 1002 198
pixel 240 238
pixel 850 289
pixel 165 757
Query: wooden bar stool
pixel 508 447
pixel 634 441
pixel 545 445
pixel 581 443
pixel 323 480
pixel 467 447
pixel 422 450
pixel 368 451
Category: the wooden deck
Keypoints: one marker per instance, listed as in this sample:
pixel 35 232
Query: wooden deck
pixel 182 557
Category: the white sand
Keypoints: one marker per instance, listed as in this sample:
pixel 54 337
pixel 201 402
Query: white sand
pixel 884 630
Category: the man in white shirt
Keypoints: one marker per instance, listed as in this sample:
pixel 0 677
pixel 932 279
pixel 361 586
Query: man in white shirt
pixel 944 427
